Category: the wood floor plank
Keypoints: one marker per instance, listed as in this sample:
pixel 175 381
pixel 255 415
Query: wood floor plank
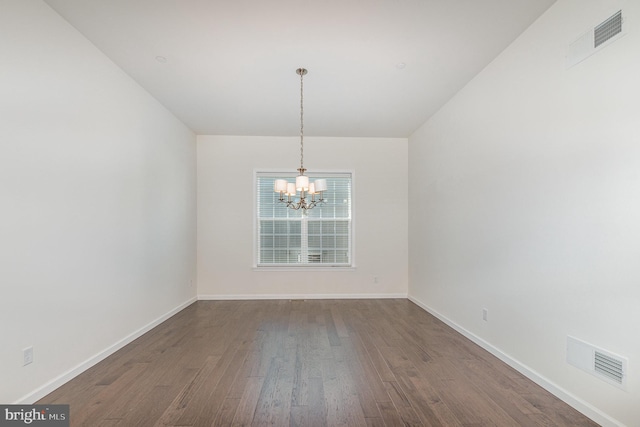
pixel 342 406
pixel 178 406
pixel 402 405
pixel 200 403
pixel 307 363
pixel 270 403
pixel 248 402
pixel 381 366
pixel 501 390
pixel 227 413
pixel 242 378
pixel 332 333
pixel 282 396
pixel 302 371
pixel 299 416
pixel 338 321
pixel 374 422
pixel 430 409
pixel 390 415
pixel 221 391
pixel 317 403
pixel 364 389
pixel 357 403
pixel 102 403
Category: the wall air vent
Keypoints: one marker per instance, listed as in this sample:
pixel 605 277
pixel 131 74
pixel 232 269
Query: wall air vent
pixel 596 38
pixel 610 367
pixel 598 362
pixel 608 29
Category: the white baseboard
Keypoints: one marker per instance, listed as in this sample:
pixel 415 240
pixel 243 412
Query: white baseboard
pixel 298 296
pixel 73 372
pixel 590 411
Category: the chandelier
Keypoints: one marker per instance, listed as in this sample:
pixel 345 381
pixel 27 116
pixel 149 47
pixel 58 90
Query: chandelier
pixel 302 184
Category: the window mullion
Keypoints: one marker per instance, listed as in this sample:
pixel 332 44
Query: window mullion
pixel 304 239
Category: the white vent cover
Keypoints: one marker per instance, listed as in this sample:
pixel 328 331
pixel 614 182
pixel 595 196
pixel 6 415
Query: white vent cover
pixel 608 29
pixel 598 362
pixel 610 367
pixel 602 35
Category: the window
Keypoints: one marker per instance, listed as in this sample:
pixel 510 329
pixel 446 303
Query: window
pixel 320 237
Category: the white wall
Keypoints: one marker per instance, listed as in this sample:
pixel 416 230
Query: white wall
pixel 225 215
pixel 525 200
pixel 97 222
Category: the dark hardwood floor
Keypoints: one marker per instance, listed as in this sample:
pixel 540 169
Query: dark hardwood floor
pixel 307 363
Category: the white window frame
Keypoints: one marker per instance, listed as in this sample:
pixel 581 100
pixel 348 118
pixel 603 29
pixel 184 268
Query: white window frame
pixel 308 266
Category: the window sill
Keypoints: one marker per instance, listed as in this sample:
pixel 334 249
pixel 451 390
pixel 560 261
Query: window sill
pixel 304 268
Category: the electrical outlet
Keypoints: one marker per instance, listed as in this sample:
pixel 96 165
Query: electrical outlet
pixel 375 279
pixel 27 356
pixel 485 314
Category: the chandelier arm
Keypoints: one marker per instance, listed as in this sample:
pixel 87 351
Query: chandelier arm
pixel 302 203
pixel 294 206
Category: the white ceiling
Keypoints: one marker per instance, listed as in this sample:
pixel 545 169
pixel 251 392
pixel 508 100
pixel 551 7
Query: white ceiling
pixel 230 64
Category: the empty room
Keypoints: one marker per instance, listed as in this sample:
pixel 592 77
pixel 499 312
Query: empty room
pixel 320 213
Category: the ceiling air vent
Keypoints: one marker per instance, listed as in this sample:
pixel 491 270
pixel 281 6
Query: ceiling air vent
pixel 595 39
pixel 598 362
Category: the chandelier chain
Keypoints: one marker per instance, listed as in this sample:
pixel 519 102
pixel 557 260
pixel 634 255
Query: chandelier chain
pixel 307 190
pixel 301 122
